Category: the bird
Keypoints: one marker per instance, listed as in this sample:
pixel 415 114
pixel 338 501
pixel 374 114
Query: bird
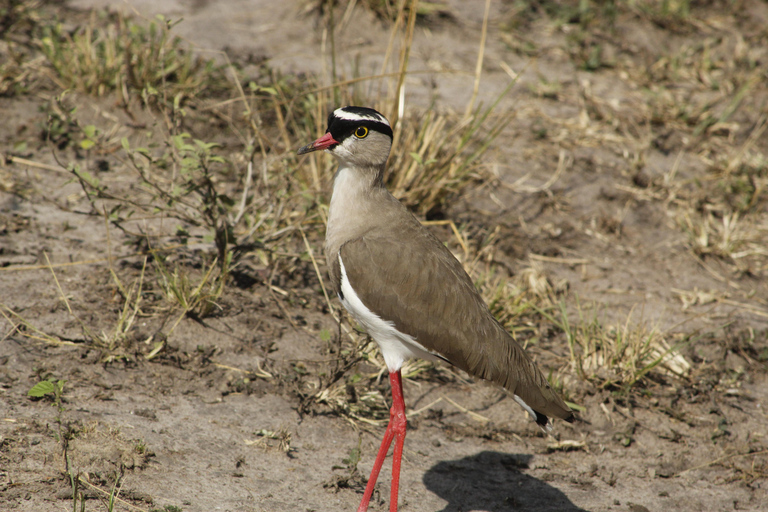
pixel 407 290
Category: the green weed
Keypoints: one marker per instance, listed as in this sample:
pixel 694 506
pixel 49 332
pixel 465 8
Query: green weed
pixel 114 53
pixel 49 387
pixel 616 358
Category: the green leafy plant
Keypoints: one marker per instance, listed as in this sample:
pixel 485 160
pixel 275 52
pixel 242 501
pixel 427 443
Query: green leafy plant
pixel 49 388
pixel 350 477
pixel 167 508
pixel 183 182
pixel 77 494
pixel 114 53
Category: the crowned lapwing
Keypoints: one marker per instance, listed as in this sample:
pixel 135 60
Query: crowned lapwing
pixel 406 288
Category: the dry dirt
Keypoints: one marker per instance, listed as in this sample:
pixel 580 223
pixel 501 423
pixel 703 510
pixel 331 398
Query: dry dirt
pixel 186 428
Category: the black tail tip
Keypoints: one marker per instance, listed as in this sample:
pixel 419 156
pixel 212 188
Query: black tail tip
pixel 542 420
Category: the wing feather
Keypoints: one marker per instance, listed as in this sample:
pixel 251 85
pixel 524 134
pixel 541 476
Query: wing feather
pixel 415 282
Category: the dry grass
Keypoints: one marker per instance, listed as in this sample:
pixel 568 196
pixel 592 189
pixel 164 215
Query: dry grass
pixel 689 102
pixel 209 194
pixel 692 107
pixel 238 199
pixel 200 211
pixel 112 53
pixel 619 357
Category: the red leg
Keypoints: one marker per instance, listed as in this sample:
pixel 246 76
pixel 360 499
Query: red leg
pixel 396 431
pixel 398 421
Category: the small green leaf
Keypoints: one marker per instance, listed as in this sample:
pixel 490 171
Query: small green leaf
pixel 575 407
pixel 254 87
pixel 178 141
pixel 87 144
pixel 90 131
pixel 42 388
pixel 88 178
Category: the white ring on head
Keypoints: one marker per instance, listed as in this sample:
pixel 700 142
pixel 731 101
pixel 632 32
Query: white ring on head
pixel 353 116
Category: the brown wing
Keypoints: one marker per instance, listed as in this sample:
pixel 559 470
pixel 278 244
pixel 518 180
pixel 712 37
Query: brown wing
pixel 412 280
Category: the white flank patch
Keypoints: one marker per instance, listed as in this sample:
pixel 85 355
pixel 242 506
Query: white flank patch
pixel 395 346
pixel 547 428
pixel 352 116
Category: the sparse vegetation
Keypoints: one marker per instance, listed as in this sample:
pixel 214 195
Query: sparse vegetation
pixel 48 387
pixel 187 159
pixel 617 358
pixel 188 180
pixel 112 53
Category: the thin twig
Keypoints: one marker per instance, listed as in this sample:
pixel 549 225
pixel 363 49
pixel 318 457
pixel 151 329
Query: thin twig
pixel 87 262
pixel 260 372
pixel 248 179
pixel 279 302
pixel 471 414
pixel 58 285
pixel 391 44
pixel 479 65
pixel 719 459
pixel 31 163
pixel 47 338
pixel 126 503
pixel 417 412
pixel 455 230
pixel 319 275
pixel 405 53
pixel 564 261
pixel 749 307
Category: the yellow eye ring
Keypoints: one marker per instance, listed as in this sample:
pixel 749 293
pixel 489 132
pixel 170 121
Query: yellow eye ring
pixel 361 132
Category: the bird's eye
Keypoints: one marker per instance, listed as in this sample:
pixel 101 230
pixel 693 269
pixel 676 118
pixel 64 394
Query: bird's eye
pixel 361 132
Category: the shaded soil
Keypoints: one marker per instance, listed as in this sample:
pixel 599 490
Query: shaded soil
pixel 219 419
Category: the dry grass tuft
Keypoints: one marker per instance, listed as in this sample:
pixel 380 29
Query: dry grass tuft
pixel 618 357
pixel 114 53
pixel 237 199
pixel 435 153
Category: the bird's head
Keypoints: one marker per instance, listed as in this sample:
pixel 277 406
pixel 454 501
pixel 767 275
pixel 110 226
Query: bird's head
pixel 357 136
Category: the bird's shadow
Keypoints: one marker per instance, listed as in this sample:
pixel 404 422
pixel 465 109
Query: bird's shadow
pixel 493 481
